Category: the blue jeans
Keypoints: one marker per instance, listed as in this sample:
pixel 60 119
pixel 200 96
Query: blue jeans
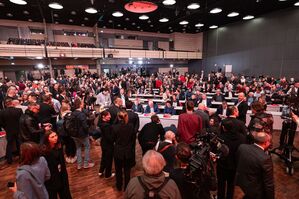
pixel 79 142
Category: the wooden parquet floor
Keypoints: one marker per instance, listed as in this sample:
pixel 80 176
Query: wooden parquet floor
pixel 86 184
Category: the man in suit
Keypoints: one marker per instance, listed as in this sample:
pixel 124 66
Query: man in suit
pixel 151 107
pixel 9 120
pixel 238 126
pixel 133 117
pixel 242 107
pixel 201 112
pixel 255 168
pixel 218 97
pixel 114 109
pixel 222 110
pixel 137 107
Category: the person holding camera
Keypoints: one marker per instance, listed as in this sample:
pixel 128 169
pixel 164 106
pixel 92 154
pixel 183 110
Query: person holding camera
pixel 30 129
pixel 182 176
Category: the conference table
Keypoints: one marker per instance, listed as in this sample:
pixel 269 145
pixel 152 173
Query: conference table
pixel 167 121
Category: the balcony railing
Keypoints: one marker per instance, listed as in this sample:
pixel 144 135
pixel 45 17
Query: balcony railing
pixel 76 52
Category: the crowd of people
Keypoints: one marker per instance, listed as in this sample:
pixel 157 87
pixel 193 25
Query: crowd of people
pixel 50 121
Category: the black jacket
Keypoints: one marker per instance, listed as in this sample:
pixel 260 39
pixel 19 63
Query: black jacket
pixel 255 172
pixel 124 138
pixel 29 127
pixel 134 120
pixel 10 120
pixel 45 113
pixel 150 133
pixel 113 110
pixel 82 120
pixel 106 135
pixel 243 107
pixel 59 177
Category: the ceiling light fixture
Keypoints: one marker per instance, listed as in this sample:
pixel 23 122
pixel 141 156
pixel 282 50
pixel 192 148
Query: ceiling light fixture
pixel 19 2
pixel 55 5
pixel 1 4
pixel 163 20
pixel 184 22
pixel 169 2
pixel 213 27
pixel 199 25
pixel 91 10
pixel 117 14
pixel 296 4
pixel 215 10
pixel 193 6
pixel 248 17
pixel 9 15
pixel 143 17
pixel 233 14
pixel 25 12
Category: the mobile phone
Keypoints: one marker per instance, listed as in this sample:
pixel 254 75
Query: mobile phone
pixel 10 184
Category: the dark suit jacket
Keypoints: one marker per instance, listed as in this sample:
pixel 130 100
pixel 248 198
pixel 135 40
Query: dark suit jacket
pixel 220 111
pixel 45 113
pixel 113 110
pixel 220 96
pixel 150 133
pixel 124 138
pixel 255 172
pixel 148 109
pixel 139 108
pixel 243 107
pixel 133 119
pixel 10 120
pixel 238 126
pixel 204 118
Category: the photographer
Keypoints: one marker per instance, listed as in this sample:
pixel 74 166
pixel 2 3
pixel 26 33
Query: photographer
pixel 181 176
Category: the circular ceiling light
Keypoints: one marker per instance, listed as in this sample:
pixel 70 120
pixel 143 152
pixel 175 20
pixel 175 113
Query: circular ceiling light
pixel 19 2
pixel 85 18
pixel 213 27
pixel 143 17
pixel 9 15
pixel 193 6
pixel 55 15
pixel 127 19
pixel 163 20
pixel 151 25
pixel 30 20
pixel 117 14
pixel 141 6
pixel 169 2
pixel 233 14
pixel 73 13
pixel 133 24
pixel 215 10
pixel 71 21
pixel 184 22
pixel 25 12
pixel 296 4
pixel 91 10
pixel 1 4
pixel 83 25
pixel 248 17
pixel 199 25
pixel 56 6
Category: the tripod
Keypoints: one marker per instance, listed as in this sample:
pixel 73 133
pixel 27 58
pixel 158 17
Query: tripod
pixel 287 147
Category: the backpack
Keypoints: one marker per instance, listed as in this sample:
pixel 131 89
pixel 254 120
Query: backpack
pixel 152 193
pixel 71 125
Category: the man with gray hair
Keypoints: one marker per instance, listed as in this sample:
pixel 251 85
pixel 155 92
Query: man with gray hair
pixel 255 168
pixel 153 181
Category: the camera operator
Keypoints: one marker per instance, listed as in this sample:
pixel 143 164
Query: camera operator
pixel 260 120
pixel 226 166
pixel 181 176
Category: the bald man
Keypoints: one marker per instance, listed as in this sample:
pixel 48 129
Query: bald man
pixel 255 168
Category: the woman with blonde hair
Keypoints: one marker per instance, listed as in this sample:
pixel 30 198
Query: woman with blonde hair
pixel 124 137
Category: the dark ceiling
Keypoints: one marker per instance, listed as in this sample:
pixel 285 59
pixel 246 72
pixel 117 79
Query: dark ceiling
pixel 130 21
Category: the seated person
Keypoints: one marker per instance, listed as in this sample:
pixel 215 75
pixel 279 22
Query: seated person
pixel 151 107
pixel 167 149
pixel 218 97
pixel 222 110
pixel 137 107
pixel 203 100
pixel 169 109
pixel 153 178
